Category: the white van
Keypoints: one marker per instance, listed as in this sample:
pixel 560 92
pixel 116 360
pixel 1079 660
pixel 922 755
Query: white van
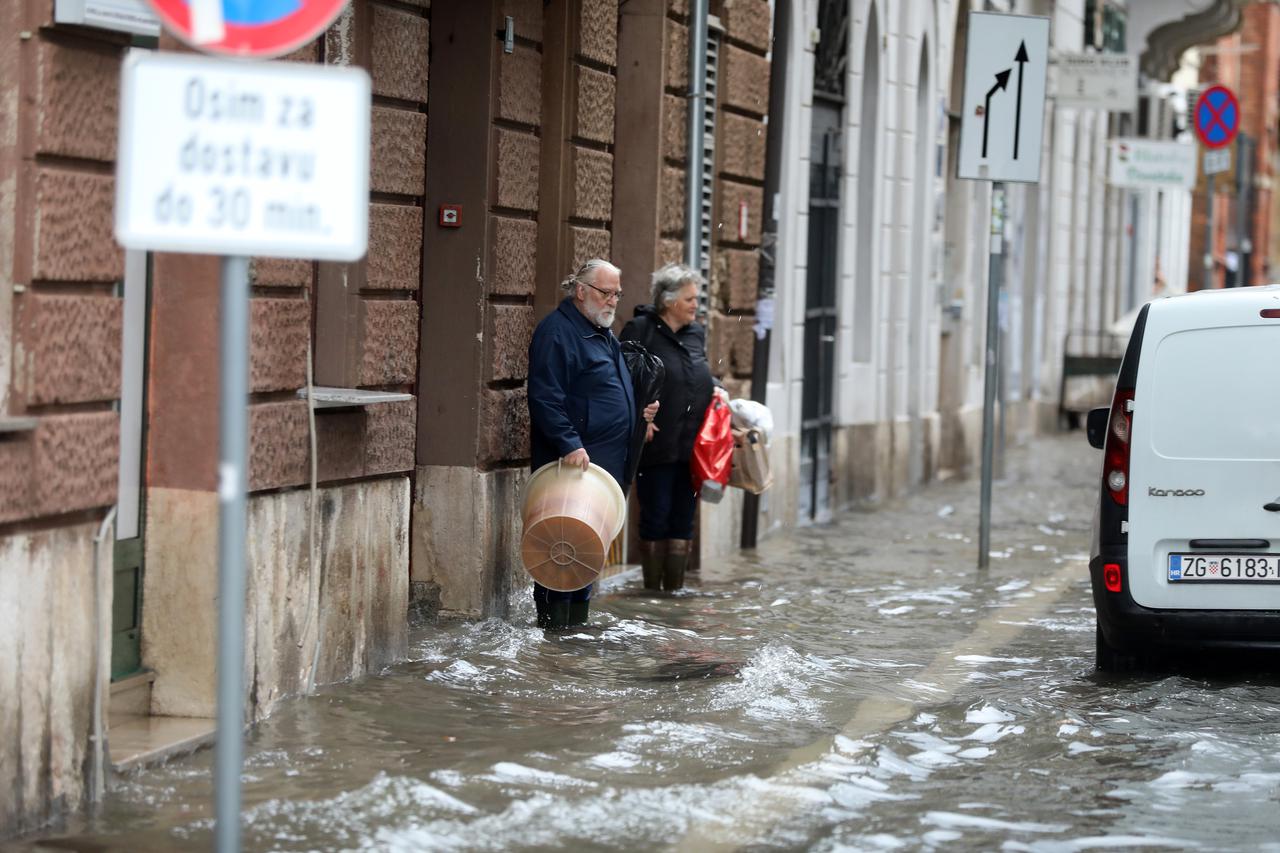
pixel 1186 537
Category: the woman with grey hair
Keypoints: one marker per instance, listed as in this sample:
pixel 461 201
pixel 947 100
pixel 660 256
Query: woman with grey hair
pixel 668 328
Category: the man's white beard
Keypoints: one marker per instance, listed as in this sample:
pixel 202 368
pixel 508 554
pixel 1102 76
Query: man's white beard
pixel 604 317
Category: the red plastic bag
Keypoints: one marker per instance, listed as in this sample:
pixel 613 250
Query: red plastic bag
pixel 713 446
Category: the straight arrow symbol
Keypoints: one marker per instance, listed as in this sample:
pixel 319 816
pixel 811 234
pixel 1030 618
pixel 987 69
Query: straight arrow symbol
pixel 1021 59
pixel 1002 82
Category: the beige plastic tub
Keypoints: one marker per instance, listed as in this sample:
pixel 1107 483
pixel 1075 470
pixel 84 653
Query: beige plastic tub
pixel 570 518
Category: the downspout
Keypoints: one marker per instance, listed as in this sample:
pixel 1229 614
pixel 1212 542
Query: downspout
pixel 769 237
pixel 98 741
pixel 696 125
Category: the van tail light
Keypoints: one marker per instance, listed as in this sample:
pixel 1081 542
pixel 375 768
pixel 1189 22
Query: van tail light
pixel 1116 453
pixel 1111 577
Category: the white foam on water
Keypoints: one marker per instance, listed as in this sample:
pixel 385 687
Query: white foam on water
pixel 509 772
pixel 993 732
pixel 1013 585
pixel 896 611
pixel 981 659
pixel 1078 748
pixel 1103 842
pixel 951 820
pixel 774 685
pixel 976 752
pixel 1181 779
pixel 616 760
pixel 987 714
pixel 1067 730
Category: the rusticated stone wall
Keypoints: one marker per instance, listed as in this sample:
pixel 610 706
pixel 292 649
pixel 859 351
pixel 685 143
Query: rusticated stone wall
pixel 743 101
pixel 60 318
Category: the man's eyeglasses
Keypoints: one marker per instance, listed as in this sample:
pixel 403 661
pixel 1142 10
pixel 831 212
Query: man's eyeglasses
pixel 609 295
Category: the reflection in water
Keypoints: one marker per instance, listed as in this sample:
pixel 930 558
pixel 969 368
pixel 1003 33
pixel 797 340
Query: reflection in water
pixel 854 686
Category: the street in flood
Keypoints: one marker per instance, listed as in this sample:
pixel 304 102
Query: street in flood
pixel 857 686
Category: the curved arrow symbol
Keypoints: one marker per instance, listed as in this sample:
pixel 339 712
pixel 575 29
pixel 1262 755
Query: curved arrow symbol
pixel 1002 82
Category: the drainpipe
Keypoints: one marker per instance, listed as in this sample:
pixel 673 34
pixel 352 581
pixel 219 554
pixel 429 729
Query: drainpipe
pixel 98 744
pixel 696 125
pixel 769 237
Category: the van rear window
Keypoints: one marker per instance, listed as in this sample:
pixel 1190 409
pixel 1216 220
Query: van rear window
pixel 1216 394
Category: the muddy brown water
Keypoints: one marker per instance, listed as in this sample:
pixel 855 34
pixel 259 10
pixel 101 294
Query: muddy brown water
pixel 858 686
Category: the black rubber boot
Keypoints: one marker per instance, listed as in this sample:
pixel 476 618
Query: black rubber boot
pixel 578 613
pixel 652 554
pixel 554 615
pixel 675 563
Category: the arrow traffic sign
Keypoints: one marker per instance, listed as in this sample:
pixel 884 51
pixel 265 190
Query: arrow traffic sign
pixel 996 144
pixel 1217 117
pixel 261 28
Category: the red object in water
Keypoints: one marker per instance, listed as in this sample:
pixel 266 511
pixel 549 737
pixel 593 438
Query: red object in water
pixel 713 446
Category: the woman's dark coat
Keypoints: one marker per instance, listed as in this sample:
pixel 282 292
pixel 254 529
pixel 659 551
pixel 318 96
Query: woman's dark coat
pixel 686 390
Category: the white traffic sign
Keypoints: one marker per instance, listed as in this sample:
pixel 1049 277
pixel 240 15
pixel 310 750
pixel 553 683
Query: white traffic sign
pixel 1004 88
pixel 1146 164
pixel 1217 160
pixel 1097 81
pixel 228 157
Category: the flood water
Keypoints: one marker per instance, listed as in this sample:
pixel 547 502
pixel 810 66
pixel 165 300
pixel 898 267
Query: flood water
pixel 858 686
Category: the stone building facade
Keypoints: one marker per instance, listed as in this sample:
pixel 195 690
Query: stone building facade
pixel 568 145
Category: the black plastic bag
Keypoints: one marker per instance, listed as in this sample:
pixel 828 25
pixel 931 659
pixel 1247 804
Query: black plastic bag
pixel 647 375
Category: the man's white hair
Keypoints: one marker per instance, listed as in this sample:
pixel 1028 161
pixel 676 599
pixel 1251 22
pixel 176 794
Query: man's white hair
pixel 587 274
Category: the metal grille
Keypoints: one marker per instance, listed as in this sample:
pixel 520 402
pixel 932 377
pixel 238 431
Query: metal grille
pixel 707 188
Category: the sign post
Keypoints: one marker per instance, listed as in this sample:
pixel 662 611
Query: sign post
pixel 240 159
pixel 1000 139
pixel 1217 120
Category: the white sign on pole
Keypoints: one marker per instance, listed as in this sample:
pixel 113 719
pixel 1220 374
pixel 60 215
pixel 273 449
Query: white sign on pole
pixel 1004 89
pixel 227 157
pixel 1097 81
pixel 128 16
pixel 1144 164
pixel 1217 161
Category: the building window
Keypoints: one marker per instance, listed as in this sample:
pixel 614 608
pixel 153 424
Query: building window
pixel 1104 25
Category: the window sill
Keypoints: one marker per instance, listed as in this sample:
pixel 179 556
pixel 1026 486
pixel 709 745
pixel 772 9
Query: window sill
pixel 344 398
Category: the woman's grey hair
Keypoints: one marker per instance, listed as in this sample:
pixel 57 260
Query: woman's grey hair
pixel 587 273
pixel 670 279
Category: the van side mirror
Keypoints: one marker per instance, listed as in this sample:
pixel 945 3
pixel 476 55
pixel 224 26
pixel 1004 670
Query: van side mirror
pixel 1095 426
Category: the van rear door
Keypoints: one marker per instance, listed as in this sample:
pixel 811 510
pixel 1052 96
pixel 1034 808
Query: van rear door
pixel 1206 455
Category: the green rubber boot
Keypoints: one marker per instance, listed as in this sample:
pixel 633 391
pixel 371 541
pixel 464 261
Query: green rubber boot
pixel 652 555
pixel 675 563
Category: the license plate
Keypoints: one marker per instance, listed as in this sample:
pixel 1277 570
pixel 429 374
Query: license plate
pixel 1224 568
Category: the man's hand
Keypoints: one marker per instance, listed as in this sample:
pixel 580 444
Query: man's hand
pixel 649 432
pixel 651 412
pixel 578 457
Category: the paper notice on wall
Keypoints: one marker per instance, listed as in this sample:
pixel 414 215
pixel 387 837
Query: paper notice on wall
pixel 764 317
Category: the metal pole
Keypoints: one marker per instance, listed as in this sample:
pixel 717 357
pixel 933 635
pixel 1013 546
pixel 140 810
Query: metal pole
pixel 233 464
pixel 995 276
pixel 1208 235
pixel 696 126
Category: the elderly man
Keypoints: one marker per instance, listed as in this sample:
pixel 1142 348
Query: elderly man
pixel 582 408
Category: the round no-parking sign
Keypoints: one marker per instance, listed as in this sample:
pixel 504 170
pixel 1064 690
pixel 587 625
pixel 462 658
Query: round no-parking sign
pixel 262 28
pixel 1217 117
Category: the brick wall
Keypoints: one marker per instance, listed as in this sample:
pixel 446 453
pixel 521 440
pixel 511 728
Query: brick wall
pixel 740 153
pixel 63 335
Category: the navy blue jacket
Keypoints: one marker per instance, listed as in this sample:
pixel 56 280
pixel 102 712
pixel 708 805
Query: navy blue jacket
pixel 580 392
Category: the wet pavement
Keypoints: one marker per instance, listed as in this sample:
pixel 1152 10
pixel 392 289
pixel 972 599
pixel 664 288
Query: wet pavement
pixel 859 686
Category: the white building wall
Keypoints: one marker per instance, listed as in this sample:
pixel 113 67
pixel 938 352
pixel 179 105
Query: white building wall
pixel 922 248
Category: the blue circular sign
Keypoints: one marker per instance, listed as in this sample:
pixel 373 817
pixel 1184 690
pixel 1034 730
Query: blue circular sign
pixel 1217 117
